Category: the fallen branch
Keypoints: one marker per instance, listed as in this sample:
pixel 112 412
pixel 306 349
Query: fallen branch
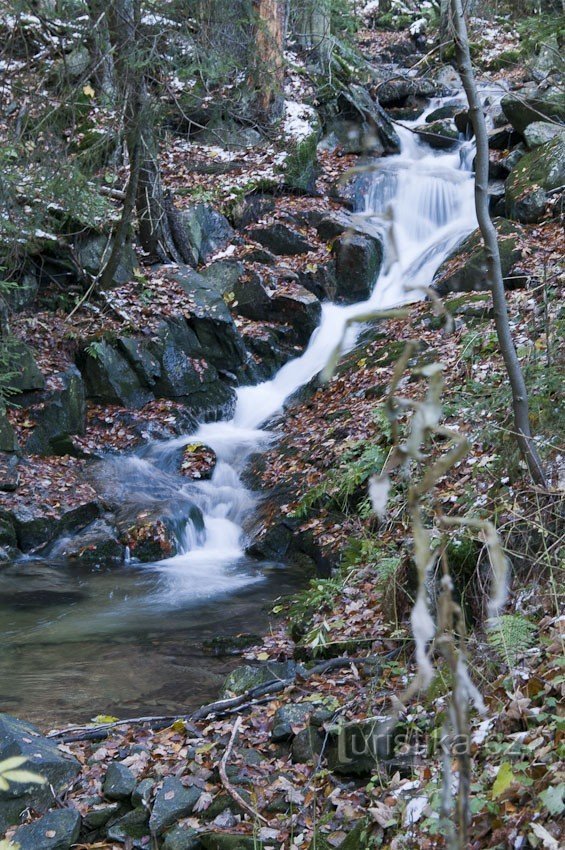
pixel 217 708
pixel 227 784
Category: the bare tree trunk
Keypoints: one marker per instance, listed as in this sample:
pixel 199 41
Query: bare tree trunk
pixel 312 29
pixel 271 17
pixel 102 49
pixel 153 211
pixel 488 231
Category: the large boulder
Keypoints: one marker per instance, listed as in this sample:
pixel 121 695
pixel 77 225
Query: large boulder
pixel 465 269
pixel 205 231
pixel 57 830
pixel 526 106
pixel 211 321
pixel 109 377
pixel 187 377
pixel 18 738
pixel 245 678
pixel 26 375
pixel 36 528
pixel 440 135
pixel 357 748
pixel 92 252
pixel 358 261
pixel 289 303
pixel 97 544
pixel 281 239
pixel 396 91
pixel 60 413
pixel 539 132
pixel 8 439
pixel 356 105
pixel 529 183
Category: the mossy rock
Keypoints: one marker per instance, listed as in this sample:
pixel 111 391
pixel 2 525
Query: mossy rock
pixel 537 173
pixel 224 841
pixel 465 269
pixel 440 135
pixel 523 109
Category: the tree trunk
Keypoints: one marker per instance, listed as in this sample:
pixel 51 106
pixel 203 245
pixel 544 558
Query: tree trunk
pixel 271 20
pixel 488 231
pixel 101 48
pixel 153 212
pixel 312 29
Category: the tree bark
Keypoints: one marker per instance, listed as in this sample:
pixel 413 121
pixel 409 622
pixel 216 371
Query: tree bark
pixel 152 211
pixel 271 20
pixel 102 49
pixel 488 232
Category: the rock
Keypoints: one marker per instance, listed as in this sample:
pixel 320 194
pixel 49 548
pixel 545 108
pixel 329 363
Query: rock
pixel 223 804
pixel 18 738
pixel 461 119
pixel 206 230
pixel 8 440
pixel 358 261
pixel 356 748
pixel 319 280
pixel 289 303
pixel 148 537
pixel 496 191
pixel 538 172
pixel 224 841
pixel 549 58
pixel 511 161
pixel 453 110
pixel 503 138
pixel 141 359
pixel 34 584
pixel 465 269
pixel 306 746
pixel 251 208
pixel 218 338
pixel 110 378
pixel 23 294
pixel 198 461
pixel 57 830
pixel 92 252
pixel 226 645
pixel 440 135
pixel 529 105
pixel 97 545
pixel 59 414
pixel 182 838
pixel 271 345
pixel 355 104
pixel 281 239
pixel 395 92
pixel 172 802
pixel 99 815
pixel 35 529
pixel 22 363
pixel 539 132
pixel 119 782
pixel 142 793
pixel 132 825
pixel 187 377
pixel 287 716
pixel 223 275
pixel 244 678
pixel 7 529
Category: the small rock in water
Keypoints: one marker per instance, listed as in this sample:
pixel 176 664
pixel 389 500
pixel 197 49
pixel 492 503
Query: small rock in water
pixel 198 461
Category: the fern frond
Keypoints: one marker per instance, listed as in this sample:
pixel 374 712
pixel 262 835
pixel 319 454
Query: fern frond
pixel 512 635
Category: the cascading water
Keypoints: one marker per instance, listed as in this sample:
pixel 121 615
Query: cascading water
pixel 421 202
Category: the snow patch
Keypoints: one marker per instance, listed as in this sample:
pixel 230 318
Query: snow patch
pixel 299 120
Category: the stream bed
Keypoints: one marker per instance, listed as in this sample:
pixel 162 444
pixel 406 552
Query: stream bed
pixel 128 640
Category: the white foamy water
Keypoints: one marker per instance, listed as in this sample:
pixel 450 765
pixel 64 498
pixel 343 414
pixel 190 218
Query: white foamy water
pixel 422 202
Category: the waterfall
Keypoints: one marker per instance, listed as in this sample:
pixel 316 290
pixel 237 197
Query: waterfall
pixel 422 201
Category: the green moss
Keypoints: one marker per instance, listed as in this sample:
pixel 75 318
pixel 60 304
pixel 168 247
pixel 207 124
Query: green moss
pixel 300 164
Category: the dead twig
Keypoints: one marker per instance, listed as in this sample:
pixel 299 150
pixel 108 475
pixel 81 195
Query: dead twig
pixel 235 795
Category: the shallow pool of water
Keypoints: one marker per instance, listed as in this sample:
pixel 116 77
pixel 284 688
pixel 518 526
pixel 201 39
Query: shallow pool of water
pixel 77 643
